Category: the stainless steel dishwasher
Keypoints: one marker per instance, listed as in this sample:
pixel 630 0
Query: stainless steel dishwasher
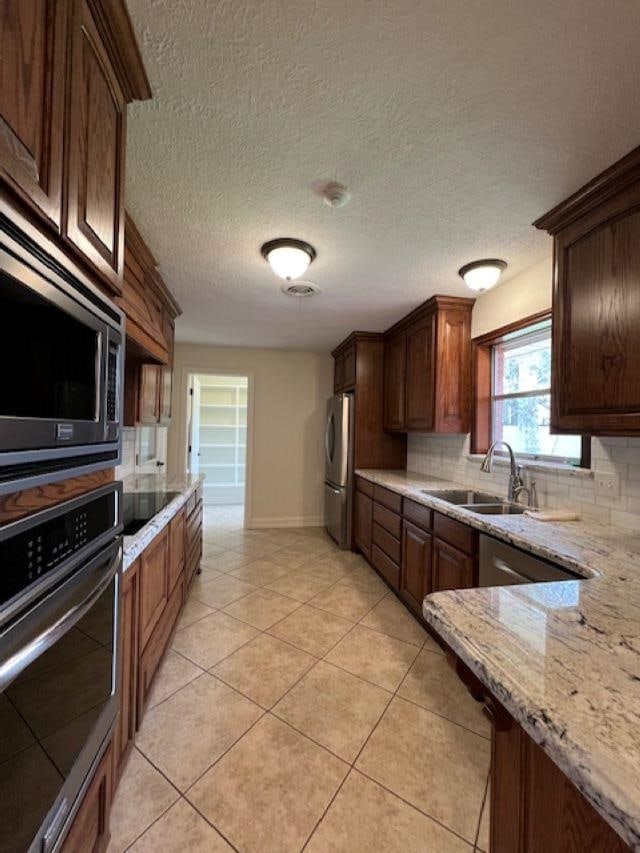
pixel 503 565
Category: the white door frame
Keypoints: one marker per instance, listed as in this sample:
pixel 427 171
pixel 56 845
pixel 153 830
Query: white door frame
pixel 183 438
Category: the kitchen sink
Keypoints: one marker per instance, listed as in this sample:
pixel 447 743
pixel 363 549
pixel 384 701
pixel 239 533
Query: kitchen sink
pixel 462 497
pixel 498 509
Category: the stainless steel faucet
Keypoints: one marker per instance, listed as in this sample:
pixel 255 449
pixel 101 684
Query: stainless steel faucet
pixel 516 484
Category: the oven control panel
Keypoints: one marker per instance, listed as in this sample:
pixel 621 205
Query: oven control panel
pixel 33 553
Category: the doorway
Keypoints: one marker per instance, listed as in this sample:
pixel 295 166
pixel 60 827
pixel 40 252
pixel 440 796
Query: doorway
pixel 217 440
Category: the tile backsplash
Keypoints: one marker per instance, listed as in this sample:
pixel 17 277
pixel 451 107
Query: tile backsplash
pixel 128 466
pixel 610 491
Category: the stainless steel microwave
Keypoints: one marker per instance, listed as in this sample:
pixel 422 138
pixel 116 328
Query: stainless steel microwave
pixel 61 360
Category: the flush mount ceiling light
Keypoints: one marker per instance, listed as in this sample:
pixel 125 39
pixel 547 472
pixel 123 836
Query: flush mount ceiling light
pixel 482 275
pixel 287 257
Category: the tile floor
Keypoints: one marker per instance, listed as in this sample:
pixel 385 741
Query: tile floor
pixel 301 708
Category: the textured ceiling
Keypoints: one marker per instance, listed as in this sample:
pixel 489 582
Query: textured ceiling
pixel 454 123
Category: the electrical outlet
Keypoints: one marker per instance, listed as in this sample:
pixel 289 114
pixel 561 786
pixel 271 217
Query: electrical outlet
pixel 607 485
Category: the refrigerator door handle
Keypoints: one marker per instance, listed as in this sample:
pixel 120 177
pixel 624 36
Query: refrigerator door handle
pixel 331 489
pixel 330 438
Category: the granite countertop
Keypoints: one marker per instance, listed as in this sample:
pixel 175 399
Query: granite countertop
pixel 564 657
pixel 186 484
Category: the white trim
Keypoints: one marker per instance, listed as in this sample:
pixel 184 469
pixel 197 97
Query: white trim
pixel 183 434
pixel 294 521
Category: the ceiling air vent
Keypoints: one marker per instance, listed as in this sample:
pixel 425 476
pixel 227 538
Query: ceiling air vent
pixel 300 288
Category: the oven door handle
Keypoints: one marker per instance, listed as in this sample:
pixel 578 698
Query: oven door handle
pixel 39 628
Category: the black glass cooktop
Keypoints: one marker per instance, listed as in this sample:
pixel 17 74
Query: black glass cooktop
pixel 139 507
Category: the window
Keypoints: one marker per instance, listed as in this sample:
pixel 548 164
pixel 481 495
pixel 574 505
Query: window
pixel 513 394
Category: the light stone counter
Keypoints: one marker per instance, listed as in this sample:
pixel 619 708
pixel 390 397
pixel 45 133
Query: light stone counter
pixel 563 658
pixel 186 484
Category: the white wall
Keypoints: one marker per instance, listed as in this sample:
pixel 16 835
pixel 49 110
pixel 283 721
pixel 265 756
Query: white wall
pixel 521 296
pixel 289 390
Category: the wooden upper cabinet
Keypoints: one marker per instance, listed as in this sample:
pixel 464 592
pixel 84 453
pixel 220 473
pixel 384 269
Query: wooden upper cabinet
pixel 595 380
pixel 148 401
pixel 428 368
pixel 344 376
pixel 394 382
pixel 420 383
pixel 32 92
pixel 97 127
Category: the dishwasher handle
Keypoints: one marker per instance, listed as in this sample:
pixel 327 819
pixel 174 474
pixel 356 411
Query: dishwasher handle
pixel 505 568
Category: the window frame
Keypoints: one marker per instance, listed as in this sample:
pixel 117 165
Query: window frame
pixel 482 421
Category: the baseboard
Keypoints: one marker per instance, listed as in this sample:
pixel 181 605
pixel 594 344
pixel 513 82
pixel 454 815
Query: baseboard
pixel 279 521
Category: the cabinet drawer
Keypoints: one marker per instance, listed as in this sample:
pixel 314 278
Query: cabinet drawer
pixel 152 656
pixel 418 514
pixel 455 533
pixel 389 570
pixel 388 543
pixel 364 486
pixel 390 521
pixel 388 498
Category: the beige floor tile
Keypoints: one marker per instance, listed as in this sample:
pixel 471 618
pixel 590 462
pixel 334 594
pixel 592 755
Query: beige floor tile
pixel 259 572
pixel 347 601
pixel 264 669
pixel 222 591
pixel 365 578
pixel 190 730
pixel 334 708
pixel 312 630
pixel 299 584
pixel 181 830
pixel 365 818
pixel 431 645
pixel 193 610
pixel 143 795
pixel 393 618
pixel 227 561
pixel 257 549
pixel 432 683
pixel 330 568
pixel 224 538
pixel 431 763
pixel 373 656
pixel 267 793
pixel 210 549
pixel 483 834
pixel 213 638
pixel 175 672
pixel 262 608
pixel 291 557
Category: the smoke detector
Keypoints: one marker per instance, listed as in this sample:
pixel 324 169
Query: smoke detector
pixel 335 194
pixel 300 288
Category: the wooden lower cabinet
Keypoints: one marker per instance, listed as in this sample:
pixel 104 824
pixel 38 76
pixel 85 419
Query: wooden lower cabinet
pixel 415 576
pixel 154 585
pixel 152 655
pixel 452 569
pixel 363 522
pixel 126 725
pixel 535 808
pixel 89 832
pixel 176 548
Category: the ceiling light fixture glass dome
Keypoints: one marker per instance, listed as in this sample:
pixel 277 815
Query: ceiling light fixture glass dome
pixel 287 257
pixel 482 275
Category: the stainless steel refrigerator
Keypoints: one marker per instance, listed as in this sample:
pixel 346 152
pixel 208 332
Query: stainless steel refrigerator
pixel 338 446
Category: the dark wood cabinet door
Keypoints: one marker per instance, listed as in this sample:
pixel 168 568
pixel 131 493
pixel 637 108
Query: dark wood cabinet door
pixel 420 385
pixel 154 585
pixel 32 91
pixel 394 383
pixel 89 832
pixel 452 569
pixel 349 368
pixel 164 408
pixel 453 393
pixel 338 374
pixel 149 394
pixel 363 523
pixel 176 548
pixel 97 127
pixel 596 322
pixel 415 577
pixel 126 726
